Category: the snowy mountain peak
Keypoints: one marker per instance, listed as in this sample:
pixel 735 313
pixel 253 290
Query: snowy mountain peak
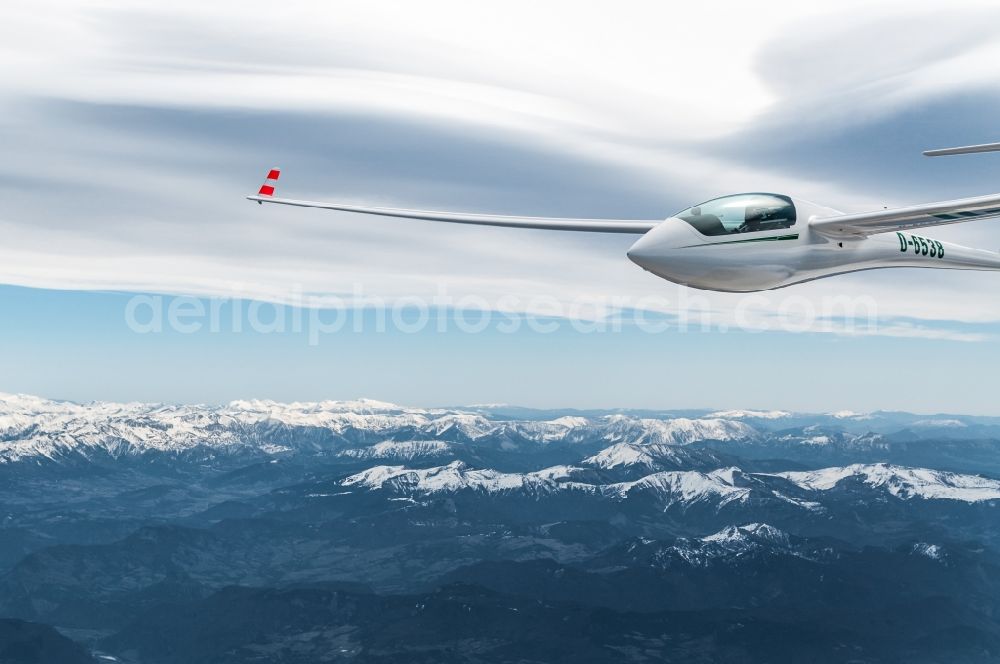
pixel 747 534
pixel 570 421
pixel 621 455
pixel 357 406
pixel 687 487
pixel 902 482
pixel 849 415
pixel 455 476
pixel 406 450
pixel 675 431
pixel 932 551
pixel 730 544
pixel 751 414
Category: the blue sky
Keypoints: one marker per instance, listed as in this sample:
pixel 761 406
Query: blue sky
pixel 132 134
pixel 77 345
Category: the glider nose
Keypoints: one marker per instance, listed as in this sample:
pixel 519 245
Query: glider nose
pixel 642 252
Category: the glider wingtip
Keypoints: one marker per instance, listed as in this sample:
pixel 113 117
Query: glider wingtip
pixel 270 182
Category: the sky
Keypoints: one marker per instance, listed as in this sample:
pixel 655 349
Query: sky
pixel 132 267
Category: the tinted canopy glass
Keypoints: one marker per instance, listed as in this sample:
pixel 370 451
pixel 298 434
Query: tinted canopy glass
pixel 742 213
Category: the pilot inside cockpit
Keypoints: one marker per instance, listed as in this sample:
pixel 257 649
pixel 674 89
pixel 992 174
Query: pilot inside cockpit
pixel 742 213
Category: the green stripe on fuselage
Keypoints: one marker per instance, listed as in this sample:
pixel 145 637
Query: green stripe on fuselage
pixel 773 238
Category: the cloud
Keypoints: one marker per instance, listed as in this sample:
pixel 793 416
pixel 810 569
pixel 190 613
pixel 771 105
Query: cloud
pixel 131 137
pixel 850 66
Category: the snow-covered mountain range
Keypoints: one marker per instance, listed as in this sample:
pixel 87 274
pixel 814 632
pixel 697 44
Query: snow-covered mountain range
pixel 720 486
pixel 678 458
pixel 32 428
pixel 113 510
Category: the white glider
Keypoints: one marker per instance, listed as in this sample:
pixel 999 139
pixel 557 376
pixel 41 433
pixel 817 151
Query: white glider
pixel 756 241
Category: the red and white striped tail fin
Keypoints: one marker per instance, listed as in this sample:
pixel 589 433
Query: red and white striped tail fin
pixel 267 189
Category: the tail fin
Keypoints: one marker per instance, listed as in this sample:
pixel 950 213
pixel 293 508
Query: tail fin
pixel 267 189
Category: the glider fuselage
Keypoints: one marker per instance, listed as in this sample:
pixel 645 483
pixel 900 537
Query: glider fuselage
pixel 678 251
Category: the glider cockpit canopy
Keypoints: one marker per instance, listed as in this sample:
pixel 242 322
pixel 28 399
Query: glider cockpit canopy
pixel 741 213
